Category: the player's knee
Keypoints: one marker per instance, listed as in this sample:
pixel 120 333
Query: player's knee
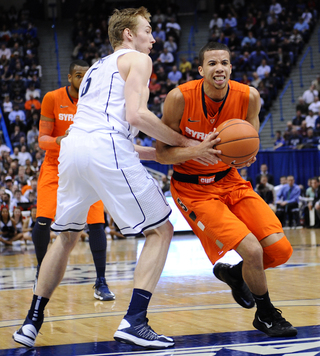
pixel 277 253
pixel 43 223
pixel 164 231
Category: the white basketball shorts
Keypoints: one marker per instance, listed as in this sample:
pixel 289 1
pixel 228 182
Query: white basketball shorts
pixel 96 165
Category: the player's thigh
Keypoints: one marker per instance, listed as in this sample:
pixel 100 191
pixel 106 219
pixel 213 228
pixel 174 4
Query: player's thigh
pixel 47 190
pixel 256 214
pixel 133 198
pixel 96 213
pixel 212 221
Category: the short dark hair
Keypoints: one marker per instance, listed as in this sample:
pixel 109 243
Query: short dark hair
pixel 77 62
pixel 212 46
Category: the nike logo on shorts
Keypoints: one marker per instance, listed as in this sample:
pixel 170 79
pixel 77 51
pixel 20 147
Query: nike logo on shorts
pixel 193 120
pixel 40 223
pixel 63 106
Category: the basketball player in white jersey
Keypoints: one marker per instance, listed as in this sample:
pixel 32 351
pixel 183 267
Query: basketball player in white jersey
pixel 98 161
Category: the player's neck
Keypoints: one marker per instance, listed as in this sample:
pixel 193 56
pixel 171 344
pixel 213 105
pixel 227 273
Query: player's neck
pixel 73 92
pixel 215 94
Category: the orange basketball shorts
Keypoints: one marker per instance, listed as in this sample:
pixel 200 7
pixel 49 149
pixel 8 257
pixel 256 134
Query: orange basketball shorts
pixel 221 214
pixel 47 194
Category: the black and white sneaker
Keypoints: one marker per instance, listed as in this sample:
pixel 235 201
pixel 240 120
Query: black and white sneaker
pixel 274 324
pixel 102 291
pixel 28 332
pixel 240 291
pixel 134 330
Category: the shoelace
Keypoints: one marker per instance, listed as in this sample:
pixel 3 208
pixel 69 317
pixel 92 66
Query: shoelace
pixel 277 314
pixel 146 332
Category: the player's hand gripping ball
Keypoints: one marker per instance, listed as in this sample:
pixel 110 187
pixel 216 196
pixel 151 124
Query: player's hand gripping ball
pixel 239 142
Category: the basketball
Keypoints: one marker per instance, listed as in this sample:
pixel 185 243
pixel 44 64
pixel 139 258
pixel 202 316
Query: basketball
pixel 239 142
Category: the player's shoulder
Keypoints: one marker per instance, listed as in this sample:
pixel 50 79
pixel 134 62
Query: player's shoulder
pixel 55 93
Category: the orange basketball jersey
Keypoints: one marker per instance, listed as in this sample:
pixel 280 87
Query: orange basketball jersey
pixel 202 115
pixel 60 106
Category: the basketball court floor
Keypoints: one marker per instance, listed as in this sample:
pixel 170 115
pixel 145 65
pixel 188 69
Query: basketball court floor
pixel 189 303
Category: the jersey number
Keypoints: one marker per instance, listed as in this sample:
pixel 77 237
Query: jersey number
pixel 87 85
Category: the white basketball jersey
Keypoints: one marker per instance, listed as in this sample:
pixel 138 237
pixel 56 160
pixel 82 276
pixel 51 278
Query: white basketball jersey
pixel 101 104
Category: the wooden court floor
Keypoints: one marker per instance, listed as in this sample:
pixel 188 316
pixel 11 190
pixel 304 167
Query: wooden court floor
pixel 188 300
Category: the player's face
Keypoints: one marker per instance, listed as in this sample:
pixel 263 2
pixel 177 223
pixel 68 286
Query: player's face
pixel 76 77
pixel 142 38
pixel 216 68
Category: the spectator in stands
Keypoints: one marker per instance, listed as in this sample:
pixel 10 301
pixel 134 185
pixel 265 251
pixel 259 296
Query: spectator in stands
pixel 32 106
pixel 8 183
pixel 166 58
pixel 263 69
pixel 4 50
pixel 294 139
pixel 302 106
pixel 307 17
pixel 264 172
pixel 249 41
pixel 216 21
pixel 32 189
pixel 256 80
pixel 154 87
pixel 16 111
pixel 171 45
pixel 3 148
pixel 297 120
pixel 16 135
pixel 311 119
pixel 17 122
pixel 317 125
pixel 312 192
pixel 6 74
pixel 310 141
pixel 21 178
pixel 7 107
pixel 159 17
pixel 173 29
pixel 303 29
pixel 32 136
pixel 279 141
pixel 17 86
pixel 175 75
pixel 316 83
pixel 266 192
pixel 256 58
pixel 159 35
pixel 309 94
pixel 297 41
pixel 32 92
pixel 244 175
pixel 288 203
pixel 275 7
pixel 185 67
pixel 283 181
pixel 24 155
pixel 231 20
pixel 315 105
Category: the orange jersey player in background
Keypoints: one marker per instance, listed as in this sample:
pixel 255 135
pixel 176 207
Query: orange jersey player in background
pixel 225 213
pixel 57 111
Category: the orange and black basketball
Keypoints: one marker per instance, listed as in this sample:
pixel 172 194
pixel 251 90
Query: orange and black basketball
pixel 239 142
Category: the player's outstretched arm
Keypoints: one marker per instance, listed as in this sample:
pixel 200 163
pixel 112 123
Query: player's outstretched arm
pixel 203 152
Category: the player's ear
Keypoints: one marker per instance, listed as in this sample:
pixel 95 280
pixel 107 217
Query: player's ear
pixel 69 78
pixel 200 70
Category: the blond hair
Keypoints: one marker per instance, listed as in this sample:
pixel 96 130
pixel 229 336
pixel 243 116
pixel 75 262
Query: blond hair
pixel 122 19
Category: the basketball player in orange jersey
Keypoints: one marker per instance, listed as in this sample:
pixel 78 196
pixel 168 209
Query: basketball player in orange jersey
pixel 223 210
pixel 57 111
